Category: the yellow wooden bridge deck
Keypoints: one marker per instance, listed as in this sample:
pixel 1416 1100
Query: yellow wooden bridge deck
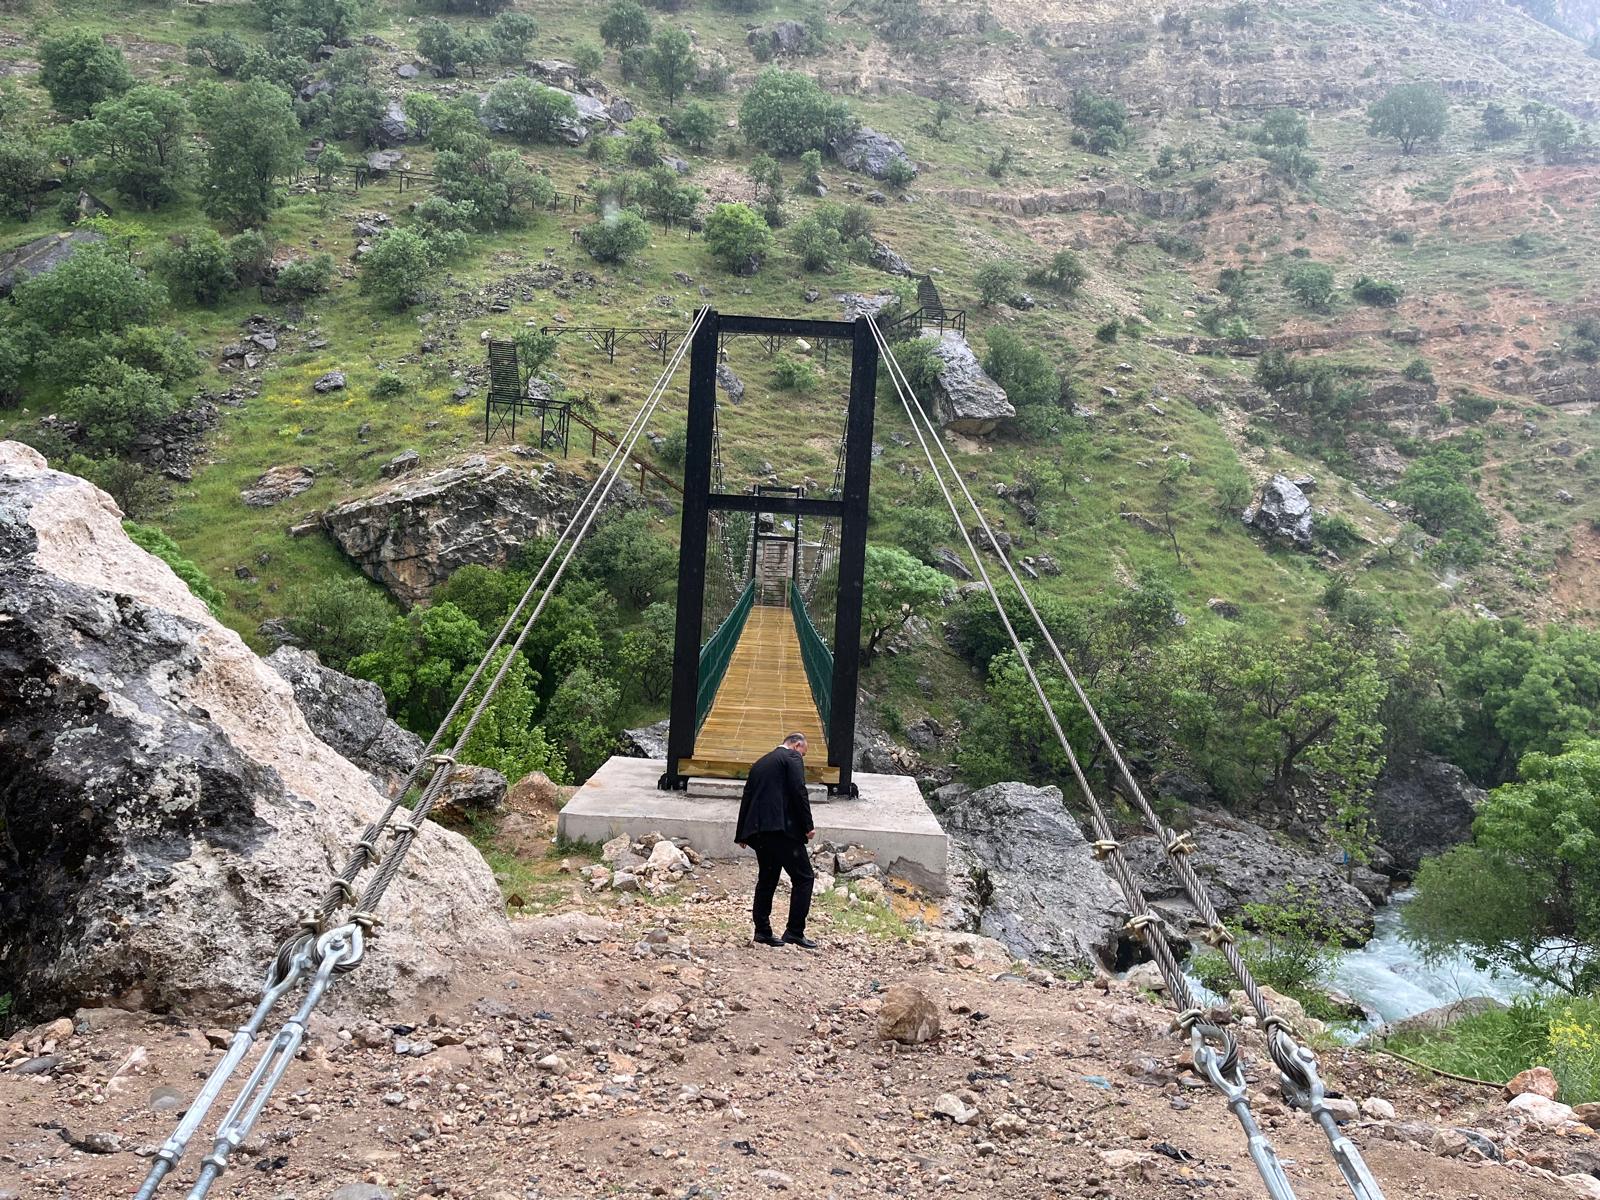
pixel 763 697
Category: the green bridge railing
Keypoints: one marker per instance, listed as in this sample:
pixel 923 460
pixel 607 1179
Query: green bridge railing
pixel 815 654
pixel 717 653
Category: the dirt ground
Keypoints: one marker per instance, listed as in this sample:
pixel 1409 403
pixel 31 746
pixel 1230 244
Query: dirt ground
pixel 652 1050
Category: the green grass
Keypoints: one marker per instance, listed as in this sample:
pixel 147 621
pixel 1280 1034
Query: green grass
pixel 1498 1044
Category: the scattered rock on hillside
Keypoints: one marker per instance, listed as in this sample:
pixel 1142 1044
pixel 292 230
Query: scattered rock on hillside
pixel 415 533
pixel 174 446
pixel 351 715
pixel 400 464
pixel 1283 512
pixel 732 386
pixel 1538 1081
pixel 965 399
pixel 1434 1019
pixel 856 305
pixel 885 258
pixel 277 485
pixel 333 381
pixel 1241 863
pixel 168 811
pixel 784 38
pixel 868 151
pixel 471 790
pixel 1421 809
pixel 1039 889
pixel 392 129
pixel 908 1016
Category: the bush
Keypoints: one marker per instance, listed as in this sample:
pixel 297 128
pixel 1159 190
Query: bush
pixel 786 112
pixel 1472 407
pixel 900 172
pixel 1108 331
pixel 625 24
pixel 1288 945
pixel 24 166
pixel 80 69
pixel 616 238
pixel 95 291
pixel 1310 283
pixel 1065 272
pixel 793 374
pixel 1102 120
pixel 306 276
pixel 1336 532
pixel 529 111
pixel 151 540
pixel 340 619
pixel 817 242
pixel 1418 371
pixel 1019 366
pixel 388 385
pixel 1379 292
pixel 738 238
pixel 398 271
pixel 196 266
pixel 997 283
pixel 695 125
pixel 117 403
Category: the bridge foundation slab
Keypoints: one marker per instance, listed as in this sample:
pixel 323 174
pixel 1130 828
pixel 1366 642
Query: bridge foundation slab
pixel 889 817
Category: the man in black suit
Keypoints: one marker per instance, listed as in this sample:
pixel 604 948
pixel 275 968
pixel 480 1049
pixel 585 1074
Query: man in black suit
pixel 775 822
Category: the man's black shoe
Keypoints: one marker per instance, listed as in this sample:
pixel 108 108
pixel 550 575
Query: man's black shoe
pixel 799 939
pixel 766 939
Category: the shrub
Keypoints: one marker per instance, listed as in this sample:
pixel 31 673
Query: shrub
pixel 1289 945
pixel 398 271
pixel 1102 121
pixel 1310 283
pixel 80 69
pixel 900 172
pixel 196 267
pixel 150 539
pixel 1108 331
pixel 388 385
pixel 95 291
pixel 1379 292
pixel 306 276
pixel 117 403
pixel 529 111
pixel 738 238
pixel 616 238
pixel 1336 532
pixel 695 125
pixel 340 618
pixel 1065 272
pixel 1472 407
pixel 794 374
pixel 997 283
pixel 625 24
pixel 786 112
pixel 511 33
pixel 1418 371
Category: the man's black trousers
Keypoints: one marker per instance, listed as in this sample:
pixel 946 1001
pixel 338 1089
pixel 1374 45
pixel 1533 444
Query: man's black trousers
pixel 779 853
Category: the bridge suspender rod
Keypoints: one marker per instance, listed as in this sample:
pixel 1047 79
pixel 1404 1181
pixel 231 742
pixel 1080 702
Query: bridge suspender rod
pixel 1214 1050
pixel 318 954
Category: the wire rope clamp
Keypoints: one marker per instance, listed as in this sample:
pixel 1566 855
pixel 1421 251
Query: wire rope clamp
pixel 1217 936
pixel 1141 925
pixel 1104 848
pixel 1181 843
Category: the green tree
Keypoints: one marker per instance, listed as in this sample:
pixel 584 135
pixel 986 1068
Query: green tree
pixel 633 564
pixel 896 588
pixel 93 292
pixel 1310 283
pixel 1524 895
pixel 422 111
pixel 1102 122
pixel 582 717
pixel 79 70
pixel 764 170
pixel 695 125
pixel 1065 272
pixel 1378 292
pixel 786 112
pixel 1019 366
pixel 222 50
pixel 617 237
pixel 672 62
pixel 421 662
pixel 440 44
pixel 252 140
pixel 398 271
pixel 528 111
pixel 644 657
pixel 738 238
pixel 24 166
pixel 197 267
pixel 588 59
pixel 140 141
pixel 997 282
pixel 625 24
pixel 1498 124
pixel 817 242
pixel 117 402
pixel 1283 127
pixel 1410 113
pixel 506 739
pixel 512 34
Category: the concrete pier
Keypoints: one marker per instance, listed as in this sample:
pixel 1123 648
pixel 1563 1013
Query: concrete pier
pixel 890 817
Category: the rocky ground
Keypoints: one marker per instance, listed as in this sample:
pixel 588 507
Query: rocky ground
pixel 639 1045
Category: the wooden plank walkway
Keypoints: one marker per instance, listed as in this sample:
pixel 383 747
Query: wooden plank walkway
pixel 764 696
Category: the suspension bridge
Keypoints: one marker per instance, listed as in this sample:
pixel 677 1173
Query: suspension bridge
pixel 763 670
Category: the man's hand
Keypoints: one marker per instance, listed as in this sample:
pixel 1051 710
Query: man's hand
pixel 811 834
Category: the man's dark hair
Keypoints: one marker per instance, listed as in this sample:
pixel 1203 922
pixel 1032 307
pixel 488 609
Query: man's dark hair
pixel 795 737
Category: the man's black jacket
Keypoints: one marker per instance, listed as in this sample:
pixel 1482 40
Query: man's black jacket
pixel 775 799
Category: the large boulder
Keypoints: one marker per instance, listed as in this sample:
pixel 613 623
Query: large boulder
pixel 393 128
pixel 965 399
pixel 1037 886
pixel 1282 512
pixel 351 715
pixel 168 813
pixel 416 532
pixel 42 255
pixel 1422 808
pixel 1241 863
pixel 868 151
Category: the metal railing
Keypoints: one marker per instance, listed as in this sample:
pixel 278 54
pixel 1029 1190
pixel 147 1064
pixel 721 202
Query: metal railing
pixel 816 656
pixel 717 653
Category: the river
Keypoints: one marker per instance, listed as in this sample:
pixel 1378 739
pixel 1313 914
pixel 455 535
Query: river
pixel 1388 978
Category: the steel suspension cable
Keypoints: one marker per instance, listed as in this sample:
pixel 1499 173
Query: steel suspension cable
pixel 326 953
pixel 1295 1061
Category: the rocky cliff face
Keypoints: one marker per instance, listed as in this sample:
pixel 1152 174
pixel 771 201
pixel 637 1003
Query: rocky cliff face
pixel 414 534
pixel 167 814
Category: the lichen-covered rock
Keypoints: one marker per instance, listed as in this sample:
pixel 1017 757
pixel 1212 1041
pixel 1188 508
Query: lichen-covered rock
pixel 278 484
pixel 868 151
pixel 965 399
pixel 351 715
pixel 1041 892
pixel 415 533
pixel 1283 511
pixel 168 812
